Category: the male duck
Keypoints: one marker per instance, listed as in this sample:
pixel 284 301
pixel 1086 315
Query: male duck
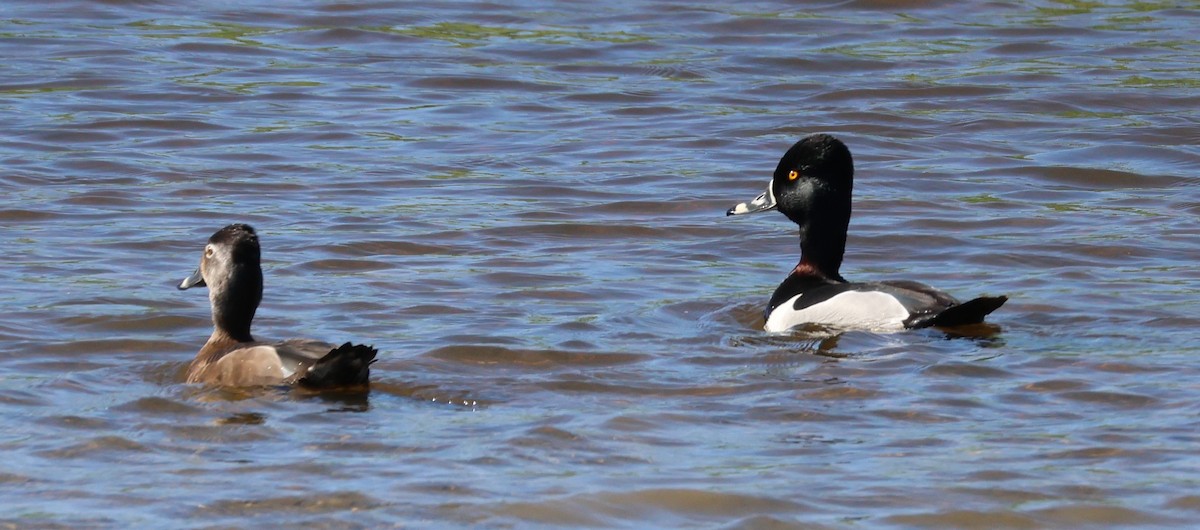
pixel 231 270
pixel 812 186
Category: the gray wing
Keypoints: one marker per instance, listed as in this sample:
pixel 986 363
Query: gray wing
pixel 296 355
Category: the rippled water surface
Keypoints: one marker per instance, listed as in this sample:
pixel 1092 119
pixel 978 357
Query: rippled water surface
pixel 522 207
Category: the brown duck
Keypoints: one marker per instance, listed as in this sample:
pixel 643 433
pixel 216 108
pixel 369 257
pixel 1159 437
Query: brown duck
pixel 231 269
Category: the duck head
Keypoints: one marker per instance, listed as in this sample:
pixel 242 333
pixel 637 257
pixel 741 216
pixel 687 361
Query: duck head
pixel 231 269
pixel 812 186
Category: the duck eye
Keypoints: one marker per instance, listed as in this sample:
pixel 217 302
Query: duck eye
pixel 208 252
pixel 793 175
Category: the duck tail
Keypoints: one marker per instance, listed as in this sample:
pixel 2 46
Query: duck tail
pixel 969 312
pixel 346 365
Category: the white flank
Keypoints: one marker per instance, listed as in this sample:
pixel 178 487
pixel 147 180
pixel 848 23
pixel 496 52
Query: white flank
pixel 871 310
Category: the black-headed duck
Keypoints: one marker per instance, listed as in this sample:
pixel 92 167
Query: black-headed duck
pixel 812 186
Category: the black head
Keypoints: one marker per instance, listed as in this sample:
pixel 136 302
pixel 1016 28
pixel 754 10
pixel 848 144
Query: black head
pixel 816 173
pixel 812 186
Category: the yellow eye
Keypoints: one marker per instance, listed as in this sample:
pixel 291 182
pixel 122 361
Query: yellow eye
pixel 208 252
pixel 793 175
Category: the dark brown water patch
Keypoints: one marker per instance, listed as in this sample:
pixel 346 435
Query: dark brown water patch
pixel 62 136
pixel 1115 399
pixel 648 110
pixel 577 327
pixel 25 216
pixel 916 443
pixel 840 393
pixel 1130 368
pixel 100 199
pixel 631 424
pixel 323 502
pixel 908 94
pixel 630 98
pixel 1024 49
pixel 1190 503
pixel 1055 385
pixel 75 83
pixel 965 519
pixel 966 370
pixel 76 422
pixel 817 63
pixel 1173 323
pixel 221 50
pixel 431 309
pixel 490 84
pixel 995 475
pixel 1092 453
pixel 243 418
pixel 548 294
pixel 174 125
pixel 342 36
pixel 957 403
pixel 914 416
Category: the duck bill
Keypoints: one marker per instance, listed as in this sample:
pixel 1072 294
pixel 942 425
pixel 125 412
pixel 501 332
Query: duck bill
pixel 762 203
pixel 195 280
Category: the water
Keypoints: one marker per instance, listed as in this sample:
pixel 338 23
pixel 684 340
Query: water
pixel 522 208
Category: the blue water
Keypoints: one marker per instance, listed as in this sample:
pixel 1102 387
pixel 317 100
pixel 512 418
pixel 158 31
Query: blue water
pixel 522 207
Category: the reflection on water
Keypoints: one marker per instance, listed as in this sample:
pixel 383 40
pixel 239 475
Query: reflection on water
pixel 522 208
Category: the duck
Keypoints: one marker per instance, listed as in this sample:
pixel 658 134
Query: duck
pixel 231 269
pixel 812 187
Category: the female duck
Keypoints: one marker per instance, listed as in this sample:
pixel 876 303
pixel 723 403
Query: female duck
pixel 812 186
pixel 231 270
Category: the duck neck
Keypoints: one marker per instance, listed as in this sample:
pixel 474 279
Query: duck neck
pixel 232 326
pixel 822 245
pixel 233 306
